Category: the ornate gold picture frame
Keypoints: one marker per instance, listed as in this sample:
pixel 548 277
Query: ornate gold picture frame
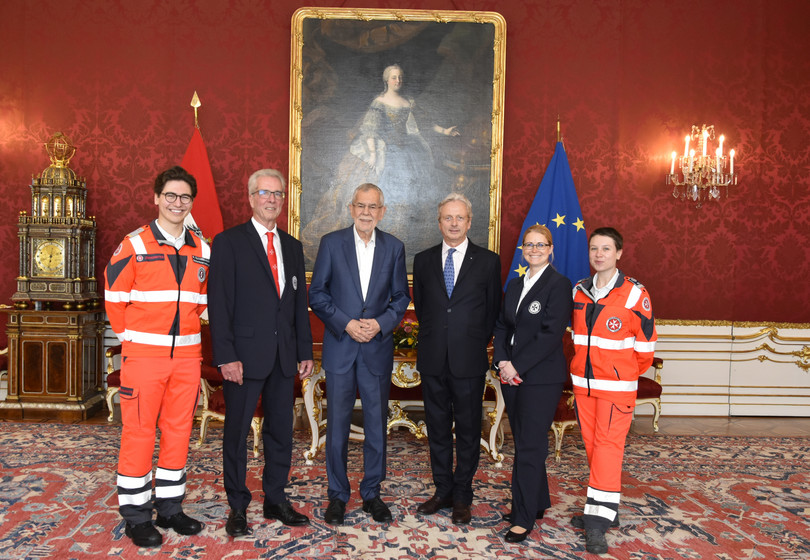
pixel 410 100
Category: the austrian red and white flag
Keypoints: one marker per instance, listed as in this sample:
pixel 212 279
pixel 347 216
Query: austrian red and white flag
pixel 205 217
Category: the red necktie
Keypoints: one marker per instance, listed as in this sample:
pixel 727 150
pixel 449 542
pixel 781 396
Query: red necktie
pixel 271 258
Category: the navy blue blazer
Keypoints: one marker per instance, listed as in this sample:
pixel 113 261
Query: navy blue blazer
pixel 336 298
pixel 456 329
pixel 538 327
pixel 249 322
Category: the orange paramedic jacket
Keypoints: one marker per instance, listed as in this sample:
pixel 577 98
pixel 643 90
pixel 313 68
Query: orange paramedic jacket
pixel 155 293
pixel 614 340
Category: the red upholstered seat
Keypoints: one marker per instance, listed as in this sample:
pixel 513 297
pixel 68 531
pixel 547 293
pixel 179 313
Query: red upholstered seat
pixel 648 389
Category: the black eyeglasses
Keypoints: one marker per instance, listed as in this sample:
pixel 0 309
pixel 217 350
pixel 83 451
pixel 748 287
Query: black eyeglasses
pixel 171 197
pixel 531 246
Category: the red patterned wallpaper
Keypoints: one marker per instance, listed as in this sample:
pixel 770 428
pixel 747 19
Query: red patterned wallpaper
pixel 627 79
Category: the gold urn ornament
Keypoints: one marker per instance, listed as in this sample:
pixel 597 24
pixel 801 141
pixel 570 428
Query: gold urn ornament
pixel 57 239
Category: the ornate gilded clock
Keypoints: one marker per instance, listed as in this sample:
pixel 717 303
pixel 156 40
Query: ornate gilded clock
pixel 57 240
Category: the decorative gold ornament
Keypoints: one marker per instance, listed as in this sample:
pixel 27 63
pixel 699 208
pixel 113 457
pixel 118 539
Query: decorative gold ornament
pixel 57 239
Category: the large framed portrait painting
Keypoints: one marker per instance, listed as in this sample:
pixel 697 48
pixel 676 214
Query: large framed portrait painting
pixel 410 100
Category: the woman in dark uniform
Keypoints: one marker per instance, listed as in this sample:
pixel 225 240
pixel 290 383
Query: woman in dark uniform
pixel 530 360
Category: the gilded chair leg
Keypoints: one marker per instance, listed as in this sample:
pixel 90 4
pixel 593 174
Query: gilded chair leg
pixel 559 432
pixel 110 404
pixel 256 425
pixel 657 405
pixel 204 419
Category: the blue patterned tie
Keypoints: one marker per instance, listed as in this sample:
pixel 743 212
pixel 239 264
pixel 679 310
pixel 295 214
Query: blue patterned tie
pixel 449 272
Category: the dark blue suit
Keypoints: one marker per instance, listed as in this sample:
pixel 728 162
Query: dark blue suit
pixel 269 335
pixel 538 326
pixel 335 296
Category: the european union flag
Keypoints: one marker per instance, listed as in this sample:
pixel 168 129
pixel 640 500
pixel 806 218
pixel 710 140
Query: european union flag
pixel 556 206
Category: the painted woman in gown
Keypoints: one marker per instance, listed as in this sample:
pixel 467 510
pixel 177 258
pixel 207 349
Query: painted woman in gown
pixel 389 151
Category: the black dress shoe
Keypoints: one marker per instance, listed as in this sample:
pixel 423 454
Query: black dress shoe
pixel 237 525
pixel 181 523
pixel 378 510
pixel 578 521
pixel 511 536
pixel 508 516
pixel 144 534
pixel 461 514
pixel 285 513
pixel 434 504
pixel 335 512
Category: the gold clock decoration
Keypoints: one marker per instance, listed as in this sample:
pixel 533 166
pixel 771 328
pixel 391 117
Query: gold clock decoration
pixel 57 240
pixel 49 258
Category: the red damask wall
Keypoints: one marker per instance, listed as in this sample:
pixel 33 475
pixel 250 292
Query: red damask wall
pixel 628 78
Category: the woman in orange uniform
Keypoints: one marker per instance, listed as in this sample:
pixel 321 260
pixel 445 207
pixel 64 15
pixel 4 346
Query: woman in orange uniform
pixel 614 341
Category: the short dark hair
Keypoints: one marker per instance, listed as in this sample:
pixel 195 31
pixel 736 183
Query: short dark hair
pixel 176 173
pixel 609 232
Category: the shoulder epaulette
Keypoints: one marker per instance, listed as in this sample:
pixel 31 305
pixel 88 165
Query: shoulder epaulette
pixel 136 232
pixel 634 281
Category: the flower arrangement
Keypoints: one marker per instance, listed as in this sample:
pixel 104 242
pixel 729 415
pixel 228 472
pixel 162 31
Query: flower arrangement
pixel 405 334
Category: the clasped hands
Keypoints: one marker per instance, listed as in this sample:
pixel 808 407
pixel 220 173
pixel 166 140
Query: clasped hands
pixel 363 330
pixel 233 371
pixel 509 374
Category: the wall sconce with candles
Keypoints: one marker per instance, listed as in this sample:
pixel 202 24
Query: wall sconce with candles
pixel 701 177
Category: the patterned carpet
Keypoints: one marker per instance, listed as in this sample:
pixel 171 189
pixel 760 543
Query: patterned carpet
pixel 684 497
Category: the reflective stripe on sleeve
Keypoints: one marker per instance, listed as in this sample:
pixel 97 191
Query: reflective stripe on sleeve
pixel 116 297
pixel 640 346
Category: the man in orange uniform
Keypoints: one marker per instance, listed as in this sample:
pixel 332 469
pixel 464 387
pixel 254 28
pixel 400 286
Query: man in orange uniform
pixel 155 292
pixel 614 341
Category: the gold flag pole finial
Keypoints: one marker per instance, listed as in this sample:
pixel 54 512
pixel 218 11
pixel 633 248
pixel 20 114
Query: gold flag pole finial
pixel 558 129
pixel 195 102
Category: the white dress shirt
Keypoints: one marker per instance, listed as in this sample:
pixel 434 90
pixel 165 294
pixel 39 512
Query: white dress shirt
pixel 176 242
pixel 528 283
pixel 365 258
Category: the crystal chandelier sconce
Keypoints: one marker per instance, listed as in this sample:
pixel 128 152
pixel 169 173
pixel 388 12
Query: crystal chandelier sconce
pixel 702 174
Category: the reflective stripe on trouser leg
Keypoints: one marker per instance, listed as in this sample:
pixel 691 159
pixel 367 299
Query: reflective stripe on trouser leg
pixel 135 497
pixel 170 489
pixel 601 508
